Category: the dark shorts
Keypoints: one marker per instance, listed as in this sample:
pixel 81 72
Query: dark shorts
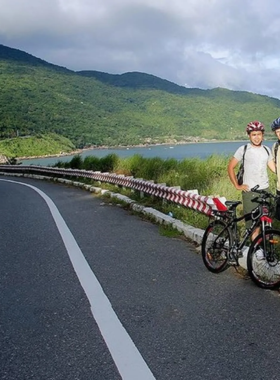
pixel 248 205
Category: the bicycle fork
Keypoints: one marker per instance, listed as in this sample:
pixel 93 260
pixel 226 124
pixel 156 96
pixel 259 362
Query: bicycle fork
pixel 266 223
pixel 268 244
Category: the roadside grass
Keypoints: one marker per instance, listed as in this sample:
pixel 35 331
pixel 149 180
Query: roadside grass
pixel 209 177
pixel 168 231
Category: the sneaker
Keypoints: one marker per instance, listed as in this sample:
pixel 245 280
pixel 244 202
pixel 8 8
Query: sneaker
pixel 259 254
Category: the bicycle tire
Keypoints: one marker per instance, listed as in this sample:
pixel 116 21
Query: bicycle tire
pixel 265 271
pixel 215 252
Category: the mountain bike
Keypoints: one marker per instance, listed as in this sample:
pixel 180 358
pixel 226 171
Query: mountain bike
pixel 223 244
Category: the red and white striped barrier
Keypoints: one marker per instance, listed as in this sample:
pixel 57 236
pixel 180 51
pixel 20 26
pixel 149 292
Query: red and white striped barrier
pixel 189 198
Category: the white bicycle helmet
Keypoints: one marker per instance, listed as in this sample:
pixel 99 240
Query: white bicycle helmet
pixel 254 126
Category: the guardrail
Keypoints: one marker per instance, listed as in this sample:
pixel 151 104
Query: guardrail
pixel 187 198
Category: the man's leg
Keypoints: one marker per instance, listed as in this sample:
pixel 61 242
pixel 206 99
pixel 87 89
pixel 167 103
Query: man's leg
pixel 248 206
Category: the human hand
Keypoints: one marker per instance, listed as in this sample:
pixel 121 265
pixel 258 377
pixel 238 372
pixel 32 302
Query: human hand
pixel 243 187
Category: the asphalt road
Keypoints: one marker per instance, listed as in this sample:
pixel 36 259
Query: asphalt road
pixel 89 291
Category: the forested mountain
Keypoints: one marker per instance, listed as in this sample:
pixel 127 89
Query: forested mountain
pixel 95 108
pixel 136 80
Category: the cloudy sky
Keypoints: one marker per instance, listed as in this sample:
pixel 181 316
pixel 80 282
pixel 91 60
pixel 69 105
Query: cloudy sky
pixel 195 43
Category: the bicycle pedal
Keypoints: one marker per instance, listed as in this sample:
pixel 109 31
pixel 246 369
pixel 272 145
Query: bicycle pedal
pixel 233 261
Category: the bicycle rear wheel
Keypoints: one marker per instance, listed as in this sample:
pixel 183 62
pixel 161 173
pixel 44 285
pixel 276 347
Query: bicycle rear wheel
pixel 216 241
pixel 264 264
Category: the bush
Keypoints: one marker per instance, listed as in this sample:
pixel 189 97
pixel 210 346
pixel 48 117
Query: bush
pixel 92 163
pixel 109 163
pixel 76 162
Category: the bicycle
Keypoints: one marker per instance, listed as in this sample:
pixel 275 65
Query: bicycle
pixel 222 245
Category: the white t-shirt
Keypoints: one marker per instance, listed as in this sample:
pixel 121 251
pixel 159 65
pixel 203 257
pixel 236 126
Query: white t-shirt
pixel 255 165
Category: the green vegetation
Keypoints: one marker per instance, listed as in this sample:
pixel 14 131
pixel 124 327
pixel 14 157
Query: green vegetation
pixel 208 176
pixel 39 145
pixel 168 231
pixel 91 108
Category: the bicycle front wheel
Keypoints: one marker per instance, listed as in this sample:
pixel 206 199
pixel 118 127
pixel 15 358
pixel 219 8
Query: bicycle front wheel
pixel 215 245
pixel 263 260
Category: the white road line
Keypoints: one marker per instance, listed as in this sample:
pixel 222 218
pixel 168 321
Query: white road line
pixel 127 358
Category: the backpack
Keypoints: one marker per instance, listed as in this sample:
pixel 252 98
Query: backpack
pixel 240 173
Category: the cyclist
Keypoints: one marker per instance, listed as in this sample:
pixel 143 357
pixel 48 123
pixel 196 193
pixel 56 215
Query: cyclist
pixel 275 126
pixel 256 160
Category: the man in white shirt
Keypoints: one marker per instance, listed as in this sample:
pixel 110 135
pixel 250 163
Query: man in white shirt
pixel 256 160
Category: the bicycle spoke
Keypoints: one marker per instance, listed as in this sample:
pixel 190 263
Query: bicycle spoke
pixel 215 245
pixel 265 269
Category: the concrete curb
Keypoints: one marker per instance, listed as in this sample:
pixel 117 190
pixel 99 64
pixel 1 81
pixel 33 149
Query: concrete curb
pixel 192 233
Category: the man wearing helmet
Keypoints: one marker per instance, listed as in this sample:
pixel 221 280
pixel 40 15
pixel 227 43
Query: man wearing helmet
pixel 256 160
pixel 275 126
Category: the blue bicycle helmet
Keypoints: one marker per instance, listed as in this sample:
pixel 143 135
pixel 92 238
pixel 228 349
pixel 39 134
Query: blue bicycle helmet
pixel 275 124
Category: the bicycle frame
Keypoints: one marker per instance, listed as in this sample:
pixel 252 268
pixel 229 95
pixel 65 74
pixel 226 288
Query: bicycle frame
pixel 231 222
pixel 232 225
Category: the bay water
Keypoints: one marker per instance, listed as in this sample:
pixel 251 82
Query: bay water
pixel 179 152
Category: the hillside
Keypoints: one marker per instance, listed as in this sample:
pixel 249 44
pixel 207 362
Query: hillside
pixel 95 108
pixel 136 80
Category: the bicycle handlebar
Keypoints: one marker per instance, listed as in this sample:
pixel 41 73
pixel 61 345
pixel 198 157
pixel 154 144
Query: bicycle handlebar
pixel 265 193
pixel 255 189
pixel 265 197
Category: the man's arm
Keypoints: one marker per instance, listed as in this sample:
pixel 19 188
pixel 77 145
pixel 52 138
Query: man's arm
pixel 231 173
pixel 272 166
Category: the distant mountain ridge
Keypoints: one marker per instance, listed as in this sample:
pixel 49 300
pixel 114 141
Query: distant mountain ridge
pixel 140 81
pixel 95 108
pixel 135 80
pixel 19 56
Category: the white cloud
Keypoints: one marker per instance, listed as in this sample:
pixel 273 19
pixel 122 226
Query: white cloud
pixel 200 43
